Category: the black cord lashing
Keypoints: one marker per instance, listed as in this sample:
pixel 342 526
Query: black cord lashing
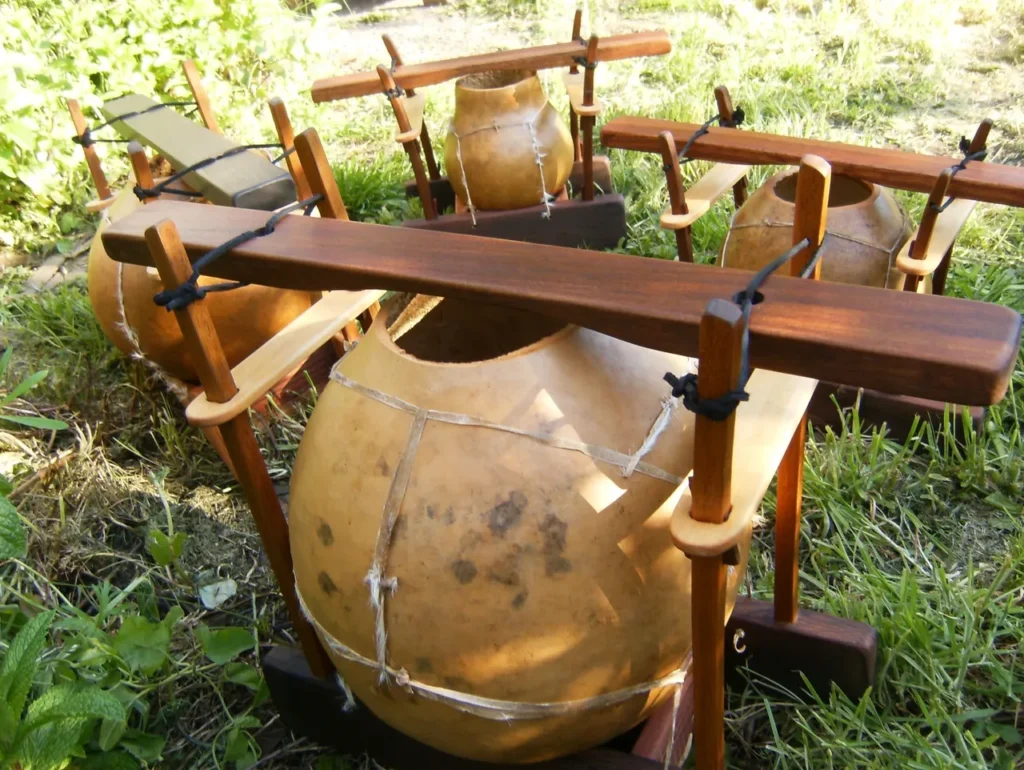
pixel 735 122
pixel 394 93
pixel 283 155
pixel 719 409
pixel 86 138
pixel 190 291
pixel 163 188
pixel 965 148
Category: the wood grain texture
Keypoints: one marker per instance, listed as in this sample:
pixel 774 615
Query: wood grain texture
pixel 676 196
pixel 919 345
pixel 92 160
pixel 726 113
pixel 986 182
pixel 428 149
pixel 587 121
pixel 140 168
pixel 412 148
pixel 611 48
pixel 246 180
pixel 286 135
pixel 195 85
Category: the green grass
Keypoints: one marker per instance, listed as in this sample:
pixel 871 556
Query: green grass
pixel 924 542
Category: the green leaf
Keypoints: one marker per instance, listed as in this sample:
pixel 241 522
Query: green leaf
pixel 243 674
pixel 52 745
pixel 6 486
pixel 4 360
pixel 26 385
pixel 111 731
pixel 8 725
pixel 13 541
pixel 72 702
pixel 1005 732
pixel 117 760
pixel 145 747
pixel 21 661
pixel 43 423
pixel 142 644
pixel 224 644
pixel 165 550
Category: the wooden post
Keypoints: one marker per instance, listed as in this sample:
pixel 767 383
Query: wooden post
pixel 574 119
pixel 676 194
pixel 140 168
pixel 919 248
pixel 428 149
pixel 310 152
pixel 725 116
pixel 812 188
pixel 587 121
pixel 411 147
pixel 286 136
pixel 195 85
pixel 205 350
pixel 99 179
pixel 720 346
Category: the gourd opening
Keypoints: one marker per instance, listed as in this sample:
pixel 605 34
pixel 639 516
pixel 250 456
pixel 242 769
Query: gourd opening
pixel 843 191
pixel 483 81
pixel 456 331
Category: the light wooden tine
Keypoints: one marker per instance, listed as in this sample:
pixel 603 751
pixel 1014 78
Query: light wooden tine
pixel 140 168
pixel 99 179
pixel 720 352
pixel 574 120
pixel 812 190
pixel 725 116
pixel 428 148
pixel 930 216
pixel 587 122
pixel 412 148
pixel 205 350
pixel 980 140
pixel 676 194
pixel 285 134
pixel 195 84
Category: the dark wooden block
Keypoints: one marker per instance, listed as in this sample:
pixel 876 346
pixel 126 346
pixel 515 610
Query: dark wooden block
pixel 602 175
pixel 897 412
pixel 825 648
pixel 313 708
pixel 597 224
pixel 440 189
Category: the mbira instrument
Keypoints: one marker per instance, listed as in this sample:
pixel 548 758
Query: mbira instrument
pixel 523 504
pixel 870 239
pixel 195 163
pixel 510 160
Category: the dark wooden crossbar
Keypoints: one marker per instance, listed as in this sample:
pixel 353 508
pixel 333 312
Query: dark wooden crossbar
pixel 919 345
pixel 986 182
pixel 246 180
pixel 407 76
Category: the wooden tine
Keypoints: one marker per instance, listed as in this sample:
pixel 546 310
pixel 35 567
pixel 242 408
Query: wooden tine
pixel 720 346
pixel 574 120
pixel 923 239
pixel 140 168
pixel 310 152
pixel 978 143
pixel 676 194
pixel 204 348
pixel 725 116
pixel 99 179
pixel 411 147
pixel 812 188
pixel 285 134
pixel 428 149
pixel 587 121
pixel 195 84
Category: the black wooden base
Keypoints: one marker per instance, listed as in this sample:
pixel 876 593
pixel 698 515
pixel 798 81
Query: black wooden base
pixel 597 224
pixel 826 649
pixel 897 412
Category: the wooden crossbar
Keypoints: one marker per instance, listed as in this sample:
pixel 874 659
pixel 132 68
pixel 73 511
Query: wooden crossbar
pixel 246 180
pixel 986 182
pixel 919 345
pixel 611 48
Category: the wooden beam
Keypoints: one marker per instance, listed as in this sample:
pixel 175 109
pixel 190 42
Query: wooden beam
pixel 541 57
pixel 986 182
pixel 917 345
pixel 246 180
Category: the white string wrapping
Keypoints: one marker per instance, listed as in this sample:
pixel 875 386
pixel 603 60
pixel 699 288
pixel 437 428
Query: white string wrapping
pixel 668 407
pixel 495 708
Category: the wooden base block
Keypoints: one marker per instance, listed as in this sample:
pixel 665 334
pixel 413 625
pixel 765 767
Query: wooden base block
pixel 597 224
pixel 314 708
pixel 897 412
pixel 825 648
pixel 440 189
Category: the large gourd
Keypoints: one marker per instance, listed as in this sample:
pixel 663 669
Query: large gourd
pixel 525 570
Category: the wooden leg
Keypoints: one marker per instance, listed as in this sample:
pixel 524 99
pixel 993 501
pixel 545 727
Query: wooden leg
pixel 787 526
pixel 195 85
pixel 941 272
pixel 684 244
pixel 708 611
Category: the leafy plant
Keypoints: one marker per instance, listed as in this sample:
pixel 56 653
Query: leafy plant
pixel 23 387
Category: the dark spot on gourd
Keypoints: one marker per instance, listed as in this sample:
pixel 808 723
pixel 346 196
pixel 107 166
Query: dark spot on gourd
pixel 325 534
pixel 519 600
pixel 424 666
pixel 382 466
pixel 326 584
pixel 504 571
pixel 505 515
pixel 464 570
pixel 449 516
pixel 553 536
pixel 431 513
pixel 457 683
